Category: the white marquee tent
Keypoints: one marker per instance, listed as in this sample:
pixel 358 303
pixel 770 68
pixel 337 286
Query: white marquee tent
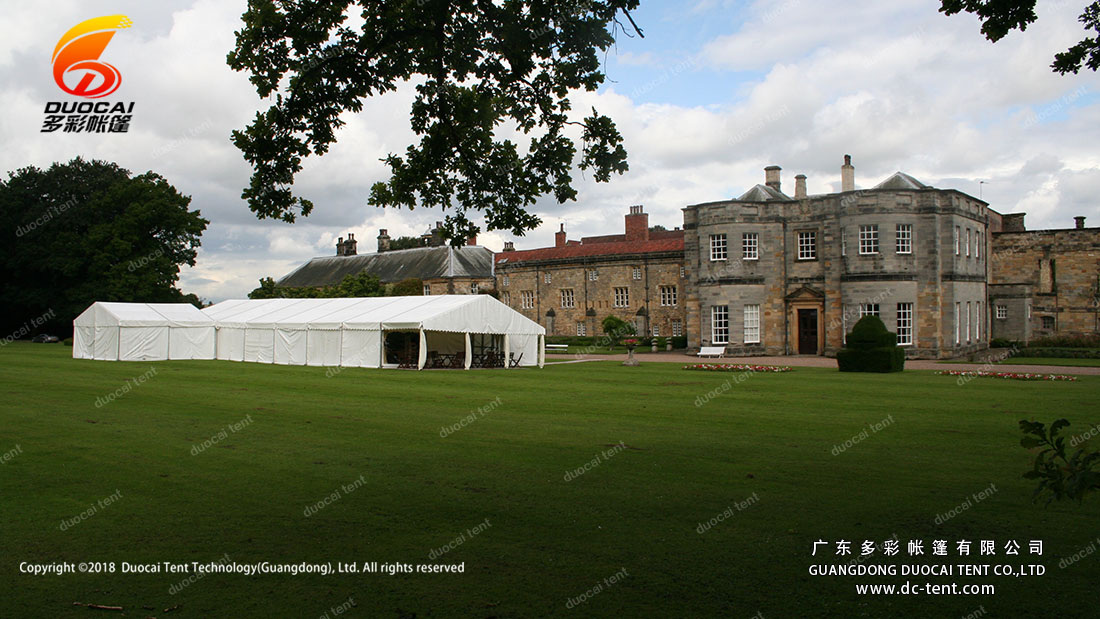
pixel 143 332
pixel 359 332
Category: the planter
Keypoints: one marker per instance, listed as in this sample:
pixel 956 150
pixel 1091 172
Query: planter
pixel 630 360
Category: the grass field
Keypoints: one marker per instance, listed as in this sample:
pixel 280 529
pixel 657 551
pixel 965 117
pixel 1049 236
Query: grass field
pixel 203 461
pixel 1078 363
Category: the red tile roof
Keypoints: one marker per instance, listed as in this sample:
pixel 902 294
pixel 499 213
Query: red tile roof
pixel 673 241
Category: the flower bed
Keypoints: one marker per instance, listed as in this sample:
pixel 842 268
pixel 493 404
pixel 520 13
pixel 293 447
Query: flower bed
pixel 732 367
pixel 1009 375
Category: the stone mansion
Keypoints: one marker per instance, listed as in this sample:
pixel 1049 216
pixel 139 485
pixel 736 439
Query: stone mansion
pixel 770 273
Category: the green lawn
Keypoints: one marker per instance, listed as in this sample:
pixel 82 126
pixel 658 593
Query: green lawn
pixel 763 446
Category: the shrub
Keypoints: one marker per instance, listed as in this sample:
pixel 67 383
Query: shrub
pixel 871 348
pixel 1000 342
pixel 679 341
pixel 1060 353
pixel 1066 341
pixel 67 341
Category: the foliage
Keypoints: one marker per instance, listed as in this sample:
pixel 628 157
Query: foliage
pixel 1091 340
pixel 871 348
pixel 737 367
pixel 86 231
pixel 480 68
pixel 1060 353
pixel 405 242
pixel 999 17
pixel 1060 476
pixel 408 287
pixel 679 341
pixel 360 284
pixel 615 329
pixel 1000 342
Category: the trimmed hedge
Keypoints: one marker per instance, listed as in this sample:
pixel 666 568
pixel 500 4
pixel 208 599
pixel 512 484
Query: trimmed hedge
pixel 1060 353
pixel 871 348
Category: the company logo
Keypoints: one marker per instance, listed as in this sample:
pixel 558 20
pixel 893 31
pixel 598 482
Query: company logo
pixel 76 65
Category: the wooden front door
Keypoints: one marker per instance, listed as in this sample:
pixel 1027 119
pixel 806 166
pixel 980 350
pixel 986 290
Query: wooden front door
pixel 807 332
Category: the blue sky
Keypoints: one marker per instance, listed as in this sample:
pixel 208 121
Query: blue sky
pixel 715 92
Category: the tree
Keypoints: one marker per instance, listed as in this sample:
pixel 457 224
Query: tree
pixel 999 17
pixel 615 329
pixel 87 231
pixel 480 67
pixel 409 287
pixel 1060 476
pixel 406 242
pixel 360 284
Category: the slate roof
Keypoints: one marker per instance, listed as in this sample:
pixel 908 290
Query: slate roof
pixel 901 180
pixel 396 265
pixel 763 193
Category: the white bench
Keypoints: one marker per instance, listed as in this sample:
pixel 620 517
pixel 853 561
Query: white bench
pixel 711 351
pixel 557 347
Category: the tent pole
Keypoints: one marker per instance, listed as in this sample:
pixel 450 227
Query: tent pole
pixel 469 352
pixel 422 353
pixel 507 351
pixel 542 351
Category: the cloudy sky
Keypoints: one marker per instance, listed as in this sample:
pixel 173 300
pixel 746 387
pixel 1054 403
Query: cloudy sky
pixel 713 93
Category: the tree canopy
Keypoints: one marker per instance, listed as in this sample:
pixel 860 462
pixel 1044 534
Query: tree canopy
pixel 87 231
pixel 999 17
pixel 480 69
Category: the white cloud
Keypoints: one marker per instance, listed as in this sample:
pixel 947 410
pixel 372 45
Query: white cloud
pixel 895 84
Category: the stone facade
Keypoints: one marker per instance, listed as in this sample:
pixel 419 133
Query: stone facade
pixel 1045 282
pixel 571 287
pixel 809 278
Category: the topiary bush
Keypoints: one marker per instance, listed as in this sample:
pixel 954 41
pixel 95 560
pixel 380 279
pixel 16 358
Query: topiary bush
pixel 871 348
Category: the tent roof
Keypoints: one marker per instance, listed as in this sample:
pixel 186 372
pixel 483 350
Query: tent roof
pixel 104 314
pixel 454 313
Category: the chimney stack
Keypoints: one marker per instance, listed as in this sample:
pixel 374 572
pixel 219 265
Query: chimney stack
pixel 472 240
pixel 383 241
pixel 800 187
pixel 847 175
pixel 350 246
pixel 637 224
pixel 1013 222
pixel 1080 221
pixel 509 246
pixel 340 246
pixel 559 237
pixel 771 177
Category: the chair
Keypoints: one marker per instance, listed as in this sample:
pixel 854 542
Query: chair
pixel 513 360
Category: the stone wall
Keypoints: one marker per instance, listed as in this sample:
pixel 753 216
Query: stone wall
pixel 594 295
pixel 1055 272
pixel 931 277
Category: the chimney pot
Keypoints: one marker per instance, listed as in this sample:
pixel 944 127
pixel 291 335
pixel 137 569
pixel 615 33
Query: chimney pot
pixel 1080 221
pixel 771 177
pixel 847 175
pixel 509 246
pixel 559 237
pixel 383 240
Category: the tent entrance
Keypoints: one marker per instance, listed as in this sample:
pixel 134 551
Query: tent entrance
pixel 401 348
